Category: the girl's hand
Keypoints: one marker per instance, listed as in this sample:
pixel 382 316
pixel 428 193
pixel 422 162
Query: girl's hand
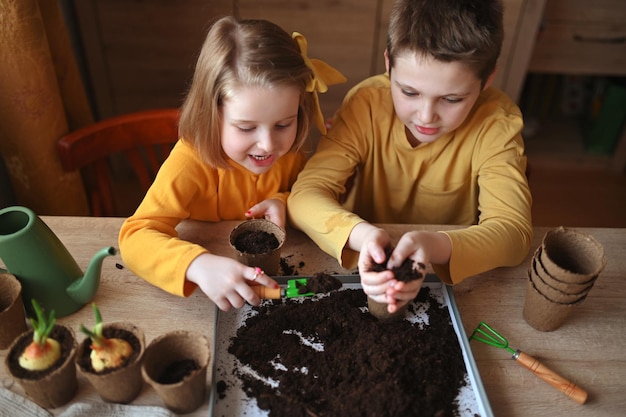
pixel 272 209
pixel 227 282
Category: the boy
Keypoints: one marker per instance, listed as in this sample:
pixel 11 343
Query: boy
pixel 428 142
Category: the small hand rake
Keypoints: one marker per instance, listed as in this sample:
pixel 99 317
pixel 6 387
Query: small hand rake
pixel 484 333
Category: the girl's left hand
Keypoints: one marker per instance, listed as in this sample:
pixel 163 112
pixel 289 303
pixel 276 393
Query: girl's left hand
pixel 272 209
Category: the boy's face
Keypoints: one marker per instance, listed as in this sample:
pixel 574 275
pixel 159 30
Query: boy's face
pixel 259 125
pixel 432 98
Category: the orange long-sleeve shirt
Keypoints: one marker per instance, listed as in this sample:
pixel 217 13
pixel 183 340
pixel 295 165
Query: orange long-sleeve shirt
pixel 186 188
pixel 474 176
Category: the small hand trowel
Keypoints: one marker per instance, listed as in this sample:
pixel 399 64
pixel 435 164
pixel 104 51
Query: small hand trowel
pixel 291 291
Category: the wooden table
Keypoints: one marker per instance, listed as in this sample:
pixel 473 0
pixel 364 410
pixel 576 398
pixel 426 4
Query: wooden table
pixel 588 348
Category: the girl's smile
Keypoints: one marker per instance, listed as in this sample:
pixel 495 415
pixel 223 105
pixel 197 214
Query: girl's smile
pixel 259 125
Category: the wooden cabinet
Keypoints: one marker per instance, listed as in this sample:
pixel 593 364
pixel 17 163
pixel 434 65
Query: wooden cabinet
pixel 140 54
pixel 576 37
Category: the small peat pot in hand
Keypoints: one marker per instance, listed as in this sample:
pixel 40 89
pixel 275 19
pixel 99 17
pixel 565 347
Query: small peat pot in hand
pixel 405 272
pixel 110 358
pixel 42 361
pixel 258 242
pixel 175 366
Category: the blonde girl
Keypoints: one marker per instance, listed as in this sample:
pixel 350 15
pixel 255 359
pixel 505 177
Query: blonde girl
pixel 248 111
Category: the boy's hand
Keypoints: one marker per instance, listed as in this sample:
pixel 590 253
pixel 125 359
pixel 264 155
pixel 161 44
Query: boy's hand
pixel 421 247
pixel 372 241
pixel 227 282
pixel 272 209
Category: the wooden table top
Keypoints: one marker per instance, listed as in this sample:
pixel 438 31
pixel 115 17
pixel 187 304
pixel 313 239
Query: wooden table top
pixel 587 349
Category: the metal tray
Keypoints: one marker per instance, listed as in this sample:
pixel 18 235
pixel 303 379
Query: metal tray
pixel 472 398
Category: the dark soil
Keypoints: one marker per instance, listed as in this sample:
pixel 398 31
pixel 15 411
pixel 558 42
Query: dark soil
pixel 319 284
pixel 61 334
pixel 84 361
pixel 405 272
pixel 288 269
pixel 177 371
pixel 255 242
pixel 366 367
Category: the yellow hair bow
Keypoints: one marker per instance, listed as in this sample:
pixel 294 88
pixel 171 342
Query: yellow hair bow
pixel 323 76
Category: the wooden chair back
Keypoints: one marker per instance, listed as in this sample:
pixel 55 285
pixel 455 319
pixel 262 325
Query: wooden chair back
pixel 135 143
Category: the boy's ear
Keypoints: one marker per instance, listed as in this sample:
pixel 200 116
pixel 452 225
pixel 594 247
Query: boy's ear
pixel 386 54
pixel 490 79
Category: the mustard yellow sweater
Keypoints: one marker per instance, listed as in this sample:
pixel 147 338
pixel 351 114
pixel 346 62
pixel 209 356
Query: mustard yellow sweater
pixel 186 188
pixel 474 176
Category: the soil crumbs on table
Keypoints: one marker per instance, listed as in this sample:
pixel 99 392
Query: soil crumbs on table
pixel 330 357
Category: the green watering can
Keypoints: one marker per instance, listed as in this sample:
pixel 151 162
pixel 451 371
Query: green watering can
pixel 42 264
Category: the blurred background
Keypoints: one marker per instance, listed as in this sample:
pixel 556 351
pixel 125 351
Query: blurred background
pixel 68 63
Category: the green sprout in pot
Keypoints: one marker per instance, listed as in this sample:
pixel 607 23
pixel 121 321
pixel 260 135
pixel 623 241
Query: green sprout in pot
pixel 43 351
pixel 106 353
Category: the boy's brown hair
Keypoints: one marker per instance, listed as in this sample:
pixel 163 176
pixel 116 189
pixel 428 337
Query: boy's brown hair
pixel 467 31
pixel 241 53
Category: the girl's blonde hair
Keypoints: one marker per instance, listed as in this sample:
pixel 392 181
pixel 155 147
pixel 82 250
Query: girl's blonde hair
pixel 235 54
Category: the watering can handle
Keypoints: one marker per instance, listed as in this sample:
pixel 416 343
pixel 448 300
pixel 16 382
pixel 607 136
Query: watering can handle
pixel 566 387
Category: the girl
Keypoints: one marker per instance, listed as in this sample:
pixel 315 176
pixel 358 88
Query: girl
pixel 247 114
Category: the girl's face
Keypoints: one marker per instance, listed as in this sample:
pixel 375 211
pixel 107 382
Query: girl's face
pixel 431 97
pixel 259 125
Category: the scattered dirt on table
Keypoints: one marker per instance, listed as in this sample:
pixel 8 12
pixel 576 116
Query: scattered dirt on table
pixel 256 242
pixel 288 269
pixel 331 357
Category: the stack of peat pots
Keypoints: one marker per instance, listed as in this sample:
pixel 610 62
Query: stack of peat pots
pixel 562 272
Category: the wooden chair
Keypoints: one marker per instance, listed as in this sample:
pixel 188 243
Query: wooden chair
pixel 119 157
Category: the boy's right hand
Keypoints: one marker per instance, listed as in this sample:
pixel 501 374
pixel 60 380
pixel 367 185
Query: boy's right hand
pixel 227 282
pixel 372 241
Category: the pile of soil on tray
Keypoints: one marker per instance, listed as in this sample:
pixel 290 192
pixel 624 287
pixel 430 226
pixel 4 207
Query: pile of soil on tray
pixel 331 357
pixel 255 242
pixel 320 283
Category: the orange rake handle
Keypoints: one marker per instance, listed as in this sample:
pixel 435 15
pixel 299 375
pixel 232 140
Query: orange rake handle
pixel 566 387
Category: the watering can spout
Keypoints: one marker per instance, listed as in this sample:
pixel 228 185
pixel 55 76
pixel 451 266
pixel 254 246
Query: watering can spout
pixel 83 289
pixel 47 271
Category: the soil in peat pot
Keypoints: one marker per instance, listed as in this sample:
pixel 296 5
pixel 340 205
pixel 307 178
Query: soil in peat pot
pixel 177 371
pixel 404 272
pixel 336 359
pixel 256 242
pixel 60 334
pixel 111 333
